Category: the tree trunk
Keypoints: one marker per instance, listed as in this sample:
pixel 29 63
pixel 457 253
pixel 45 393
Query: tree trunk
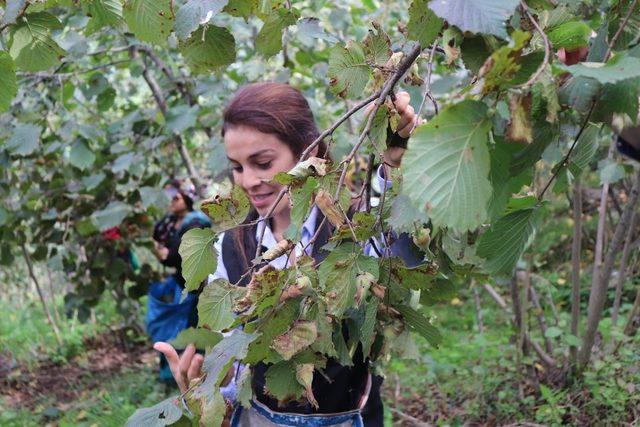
pixel 626 251
pixel 542 321
pixel 628 327
pixel 600 280
pixel 53 297
pixel 54 327
pixel 476 299
pixel 576 248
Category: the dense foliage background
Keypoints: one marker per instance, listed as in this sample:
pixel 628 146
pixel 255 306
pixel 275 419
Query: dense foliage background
pixel 532 211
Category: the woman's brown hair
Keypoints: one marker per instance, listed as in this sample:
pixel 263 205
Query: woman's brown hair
pixel 278 109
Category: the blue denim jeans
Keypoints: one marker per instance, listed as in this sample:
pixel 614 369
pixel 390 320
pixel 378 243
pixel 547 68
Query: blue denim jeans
pixel 258 415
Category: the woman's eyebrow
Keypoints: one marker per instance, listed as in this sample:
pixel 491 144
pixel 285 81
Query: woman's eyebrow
pixel 255 155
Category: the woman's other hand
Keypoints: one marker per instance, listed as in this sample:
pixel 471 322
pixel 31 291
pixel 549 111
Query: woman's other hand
pixel 406 124
pixel 185 367
pixel 161 252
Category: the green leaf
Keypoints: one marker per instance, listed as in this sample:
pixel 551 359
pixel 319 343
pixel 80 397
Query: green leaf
pixel 621 97
pixel 181 118
pixel 618 68
pixel 3 216
pixel 24 140
pixel 571 340
pixel 502 71
pixel 474 52
pixel 310 28
pixel 579 93
pixel 275 324
pixel 269 39
pixel 301 198
pixel 194 13
pixel 477 16
pixel 348 71
pixel 200 337
pixel 301 335
pixel 8 85
pixel 586 148
pixel 418 323
pixel 501 181
pixel 507 238
pixel 610 171
pixel 110 216
pixel 367 334
pixel 30 43
pixel 241 8
pixel 150 20
pixel 227 211
pixel 338 273
pixel 215 305
pixel 106 99
pixel 199 256
pixel 164 413
pixel 553 332
pixel 405 217
pixel 81 156
pixel 424 25
pixel 377 46
pixel 570 35
pixel 217 362
pixel 281 382
pixel 103 13
pixel 153 196
pixel 209 48
pixel 447 166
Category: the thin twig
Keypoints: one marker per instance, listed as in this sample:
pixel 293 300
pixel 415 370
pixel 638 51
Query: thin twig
pixel 162 105
pixel 565 161
pixel 42 75
pixel 547 46
pixel 427 88
pixel 616 36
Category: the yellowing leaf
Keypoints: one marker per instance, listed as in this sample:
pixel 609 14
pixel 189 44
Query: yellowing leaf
pixel 304 375
pixel 325 203
pixel 301 335
pixel 519 127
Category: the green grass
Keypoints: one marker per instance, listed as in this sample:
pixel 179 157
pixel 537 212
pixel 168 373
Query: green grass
pixel 111 405
pixel 28 337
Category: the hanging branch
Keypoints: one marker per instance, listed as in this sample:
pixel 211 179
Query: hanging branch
pixel 565 161
pixel 54 327
pixel 177 139
pixel 618 33
pixel 601 280
pixel 547 46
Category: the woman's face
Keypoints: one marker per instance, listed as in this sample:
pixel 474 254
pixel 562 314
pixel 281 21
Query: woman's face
pixel 256 157
pixel 178 205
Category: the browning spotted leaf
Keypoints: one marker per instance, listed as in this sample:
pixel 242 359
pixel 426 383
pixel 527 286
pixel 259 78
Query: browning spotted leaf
pixel 301 335
pixel 325 203
pixel 519 128
pixel 227 211
pixel 281 248
pixel 304 375
pixel 313 166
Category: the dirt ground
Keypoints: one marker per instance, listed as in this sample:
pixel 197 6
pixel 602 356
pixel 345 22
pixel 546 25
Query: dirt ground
pixel 24 387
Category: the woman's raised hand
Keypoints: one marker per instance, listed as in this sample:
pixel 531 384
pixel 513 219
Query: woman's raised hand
pixel 185 367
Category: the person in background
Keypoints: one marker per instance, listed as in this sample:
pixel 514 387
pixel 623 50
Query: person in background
pixel 167 315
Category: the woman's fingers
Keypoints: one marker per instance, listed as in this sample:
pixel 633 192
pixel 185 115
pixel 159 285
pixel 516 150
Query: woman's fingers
pixel 402 101
pixel 174 362
pixel 185 362
pixel 195 367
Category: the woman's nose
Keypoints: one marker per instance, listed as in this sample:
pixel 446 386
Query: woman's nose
pixel 250 179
